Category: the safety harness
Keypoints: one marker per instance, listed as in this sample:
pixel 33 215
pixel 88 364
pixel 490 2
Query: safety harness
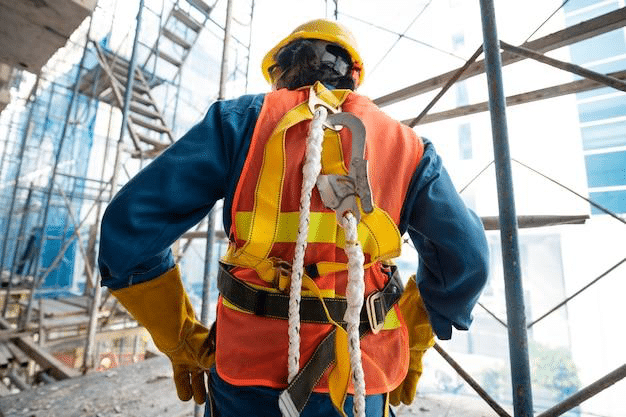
pixel 276 305
pixel 350 197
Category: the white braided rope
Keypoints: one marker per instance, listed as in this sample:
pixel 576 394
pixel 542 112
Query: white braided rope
pixel 355 292
pixel 310 171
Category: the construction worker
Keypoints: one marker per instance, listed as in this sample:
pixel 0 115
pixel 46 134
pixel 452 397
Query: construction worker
pixel 319 186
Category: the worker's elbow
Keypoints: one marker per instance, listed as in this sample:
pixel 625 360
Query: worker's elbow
pixel 112 244
pixel 480 262
pixel 106 232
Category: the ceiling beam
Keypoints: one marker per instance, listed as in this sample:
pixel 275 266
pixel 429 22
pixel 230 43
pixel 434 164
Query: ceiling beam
pixel 32 30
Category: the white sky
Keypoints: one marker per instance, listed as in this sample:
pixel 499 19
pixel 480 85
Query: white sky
pixel 390 63
pixel 408 60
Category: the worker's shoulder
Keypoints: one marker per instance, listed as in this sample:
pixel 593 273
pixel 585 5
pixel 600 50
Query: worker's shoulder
pixel 359 101
pixel 242 104
pixel 363 104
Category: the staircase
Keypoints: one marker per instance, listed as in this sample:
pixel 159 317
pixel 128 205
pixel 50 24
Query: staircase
pixel 146 125
pixel 107 81
pixel 178 34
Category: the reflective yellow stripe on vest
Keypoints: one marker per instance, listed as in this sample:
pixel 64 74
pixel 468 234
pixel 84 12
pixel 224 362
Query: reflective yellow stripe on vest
pixel 375 231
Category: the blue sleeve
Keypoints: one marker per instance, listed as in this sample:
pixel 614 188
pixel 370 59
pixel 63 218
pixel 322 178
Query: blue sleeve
pixel 174 192
pixel 451 243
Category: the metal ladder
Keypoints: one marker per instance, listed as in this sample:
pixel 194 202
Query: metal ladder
pixel 178 34
pixel 107 81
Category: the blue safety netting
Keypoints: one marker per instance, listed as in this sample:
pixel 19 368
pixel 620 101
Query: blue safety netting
pixel 49 141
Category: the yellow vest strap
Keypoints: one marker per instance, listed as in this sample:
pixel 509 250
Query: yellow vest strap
pixel 262 233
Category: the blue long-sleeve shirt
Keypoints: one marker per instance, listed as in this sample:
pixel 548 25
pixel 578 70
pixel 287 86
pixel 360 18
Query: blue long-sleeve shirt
pixel 179 188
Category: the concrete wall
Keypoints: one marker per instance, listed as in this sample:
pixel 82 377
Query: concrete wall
pixel 32 30
pixel 5 84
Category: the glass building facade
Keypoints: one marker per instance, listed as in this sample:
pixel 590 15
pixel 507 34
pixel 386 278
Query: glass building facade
pixel 602 112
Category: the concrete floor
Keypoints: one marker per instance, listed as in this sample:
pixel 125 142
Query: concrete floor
pixel 145 389
pixel 445 406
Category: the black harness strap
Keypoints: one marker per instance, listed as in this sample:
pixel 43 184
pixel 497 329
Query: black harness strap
pixel 293 399
pixel 276 305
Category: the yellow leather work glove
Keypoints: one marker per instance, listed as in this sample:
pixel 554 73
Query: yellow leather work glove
pixel 163 308
pixel 421 338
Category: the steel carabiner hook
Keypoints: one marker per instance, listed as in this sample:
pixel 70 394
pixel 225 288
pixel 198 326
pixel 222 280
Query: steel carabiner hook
pixel 339 192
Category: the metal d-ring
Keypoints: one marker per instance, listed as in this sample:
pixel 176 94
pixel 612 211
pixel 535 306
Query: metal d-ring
pixel 315 102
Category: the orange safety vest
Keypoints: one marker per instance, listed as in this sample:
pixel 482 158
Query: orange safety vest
pixel 252 350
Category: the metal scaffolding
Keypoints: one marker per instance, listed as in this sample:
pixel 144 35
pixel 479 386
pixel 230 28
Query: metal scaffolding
pixel 497 54
pixel 51 207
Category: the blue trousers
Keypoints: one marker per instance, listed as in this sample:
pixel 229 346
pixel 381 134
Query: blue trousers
pixel 253 401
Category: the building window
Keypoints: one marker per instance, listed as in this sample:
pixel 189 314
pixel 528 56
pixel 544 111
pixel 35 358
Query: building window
pixel 606 169
pixel 465 141
pixel 604 108
pixel 611 200
pixel 603 46
pixel 576 13
pixel 462 97
pixel 606 134
pixel 458 41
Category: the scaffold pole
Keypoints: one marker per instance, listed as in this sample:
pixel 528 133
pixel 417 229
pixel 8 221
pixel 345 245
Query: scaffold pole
pixel 25 135
pixel 513 289
pixel 210 237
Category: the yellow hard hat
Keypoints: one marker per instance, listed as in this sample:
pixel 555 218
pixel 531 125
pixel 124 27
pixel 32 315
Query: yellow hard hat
pixel 323 29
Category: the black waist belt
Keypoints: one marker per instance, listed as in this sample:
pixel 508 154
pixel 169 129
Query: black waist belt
pixel 276 305
pixel 375 308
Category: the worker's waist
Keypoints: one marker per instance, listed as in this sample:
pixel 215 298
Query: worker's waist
pixel 276 305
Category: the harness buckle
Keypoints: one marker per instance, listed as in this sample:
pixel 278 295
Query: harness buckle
pixel 282 277
pixel 375 311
